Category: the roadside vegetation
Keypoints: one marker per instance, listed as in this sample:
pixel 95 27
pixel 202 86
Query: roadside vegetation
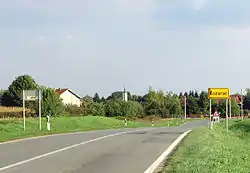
pixel 214 151
pixel 103 113
pixel 13 128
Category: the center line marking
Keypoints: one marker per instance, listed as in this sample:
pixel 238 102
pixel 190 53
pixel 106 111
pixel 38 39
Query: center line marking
pixel 66 148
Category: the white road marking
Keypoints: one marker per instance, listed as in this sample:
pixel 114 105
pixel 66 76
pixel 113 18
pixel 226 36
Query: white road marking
pixel 47 136
pixel 66 148
pixel 161 158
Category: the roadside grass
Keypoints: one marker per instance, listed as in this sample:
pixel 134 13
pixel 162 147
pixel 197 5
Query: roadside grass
pixel 11 129
pixel 214 151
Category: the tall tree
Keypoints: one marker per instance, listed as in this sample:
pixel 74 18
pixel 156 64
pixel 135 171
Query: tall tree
pixel 246 101
pixel 51 102
pixel 180 95
pixel 196 95
pixel 203 102
pixel 96 98
pixel 24 82
pixel 235 108
pixel 192 105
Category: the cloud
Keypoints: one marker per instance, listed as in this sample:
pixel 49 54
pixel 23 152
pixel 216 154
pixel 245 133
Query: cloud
pixel 199 4
pixel 230 34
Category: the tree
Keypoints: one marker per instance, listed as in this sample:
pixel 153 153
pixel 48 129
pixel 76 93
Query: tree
pixel 96 109
pixel 203 102
pixel 96 98
pixel 154 102
pixel 246 101
pixel 113 108
pixel 173 104
pixel 196 95
pixel 20 83
pixel 6 99
pixel 192 105
pixel 51 102
pixel 235 108
pixel 118 95
pixel 102 100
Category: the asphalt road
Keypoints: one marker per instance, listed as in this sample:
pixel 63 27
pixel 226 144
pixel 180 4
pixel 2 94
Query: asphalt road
pixel 123 151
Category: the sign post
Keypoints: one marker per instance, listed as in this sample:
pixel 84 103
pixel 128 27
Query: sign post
pixel 218 93
pixel 230 109
pixel 210 113
pixel 32 95
pixel 24 121
pixel 227 114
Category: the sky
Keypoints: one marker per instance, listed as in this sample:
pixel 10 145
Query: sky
pixel 101 46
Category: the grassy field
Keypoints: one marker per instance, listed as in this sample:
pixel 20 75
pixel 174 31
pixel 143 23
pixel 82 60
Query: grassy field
pixel 13 128
pixel 215 151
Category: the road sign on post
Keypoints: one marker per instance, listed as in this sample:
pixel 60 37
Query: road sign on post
pixel 32 95
pixel 219 93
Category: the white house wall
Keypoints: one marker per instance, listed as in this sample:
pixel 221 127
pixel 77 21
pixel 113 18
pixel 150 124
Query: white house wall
pixel 70 99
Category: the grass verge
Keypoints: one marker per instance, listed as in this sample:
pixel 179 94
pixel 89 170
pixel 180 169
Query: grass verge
pixel 13 128
pixel 213 151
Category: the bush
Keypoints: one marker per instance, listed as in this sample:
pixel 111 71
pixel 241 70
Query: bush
pixel 73 110
pixel 116 108
pixel 96 109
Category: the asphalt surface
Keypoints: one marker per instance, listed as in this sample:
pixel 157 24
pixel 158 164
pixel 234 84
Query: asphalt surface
pixel 131 152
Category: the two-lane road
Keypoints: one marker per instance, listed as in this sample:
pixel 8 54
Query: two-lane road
pixel 105 151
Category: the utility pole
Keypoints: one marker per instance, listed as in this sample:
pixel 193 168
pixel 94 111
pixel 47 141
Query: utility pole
pixel 242 104
pixel 185 109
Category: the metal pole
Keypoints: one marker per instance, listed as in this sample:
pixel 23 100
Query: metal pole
pixel 40 114
pixel 242 105
pixel 24 120
pixel 185 109
pixel 210 112
pixel 230 109
pixel 227 100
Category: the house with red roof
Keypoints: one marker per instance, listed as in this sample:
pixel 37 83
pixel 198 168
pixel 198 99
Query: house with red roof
pixel 68 96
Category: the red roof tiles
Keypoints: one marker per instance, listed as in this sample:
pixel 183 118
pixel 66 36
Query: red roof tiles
pixel 60 91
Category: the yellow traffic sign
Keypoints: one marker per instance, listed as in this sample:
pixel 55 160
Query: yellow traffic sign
pixel 218 93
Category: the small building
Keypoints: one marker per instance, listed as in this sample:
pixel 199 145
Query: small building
pixel 69 97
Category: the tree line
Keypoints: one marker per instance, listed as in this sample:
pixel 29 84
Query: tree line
pixel 153 103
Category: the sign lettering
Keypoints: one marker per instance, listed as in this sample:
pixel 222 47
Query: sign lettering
pixel 218 93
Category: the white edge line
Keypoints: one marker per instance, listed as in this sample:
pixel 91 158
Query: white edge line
pixel 161 158
pixel 66 148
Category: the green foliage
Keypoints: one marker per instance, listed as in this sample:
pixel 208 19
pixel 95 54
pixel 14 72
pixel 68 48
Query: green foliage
pixel 192 105
pixel 203 102
pixel 115 108
pixel 235 108
pixel 21 83
pixel 96 109
pixel 96 98
pixel 173 105
pixel 6 99
pixel 51 102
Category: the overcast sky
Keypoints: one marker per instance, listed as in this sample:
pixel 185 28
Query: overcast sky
pixel 100 45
